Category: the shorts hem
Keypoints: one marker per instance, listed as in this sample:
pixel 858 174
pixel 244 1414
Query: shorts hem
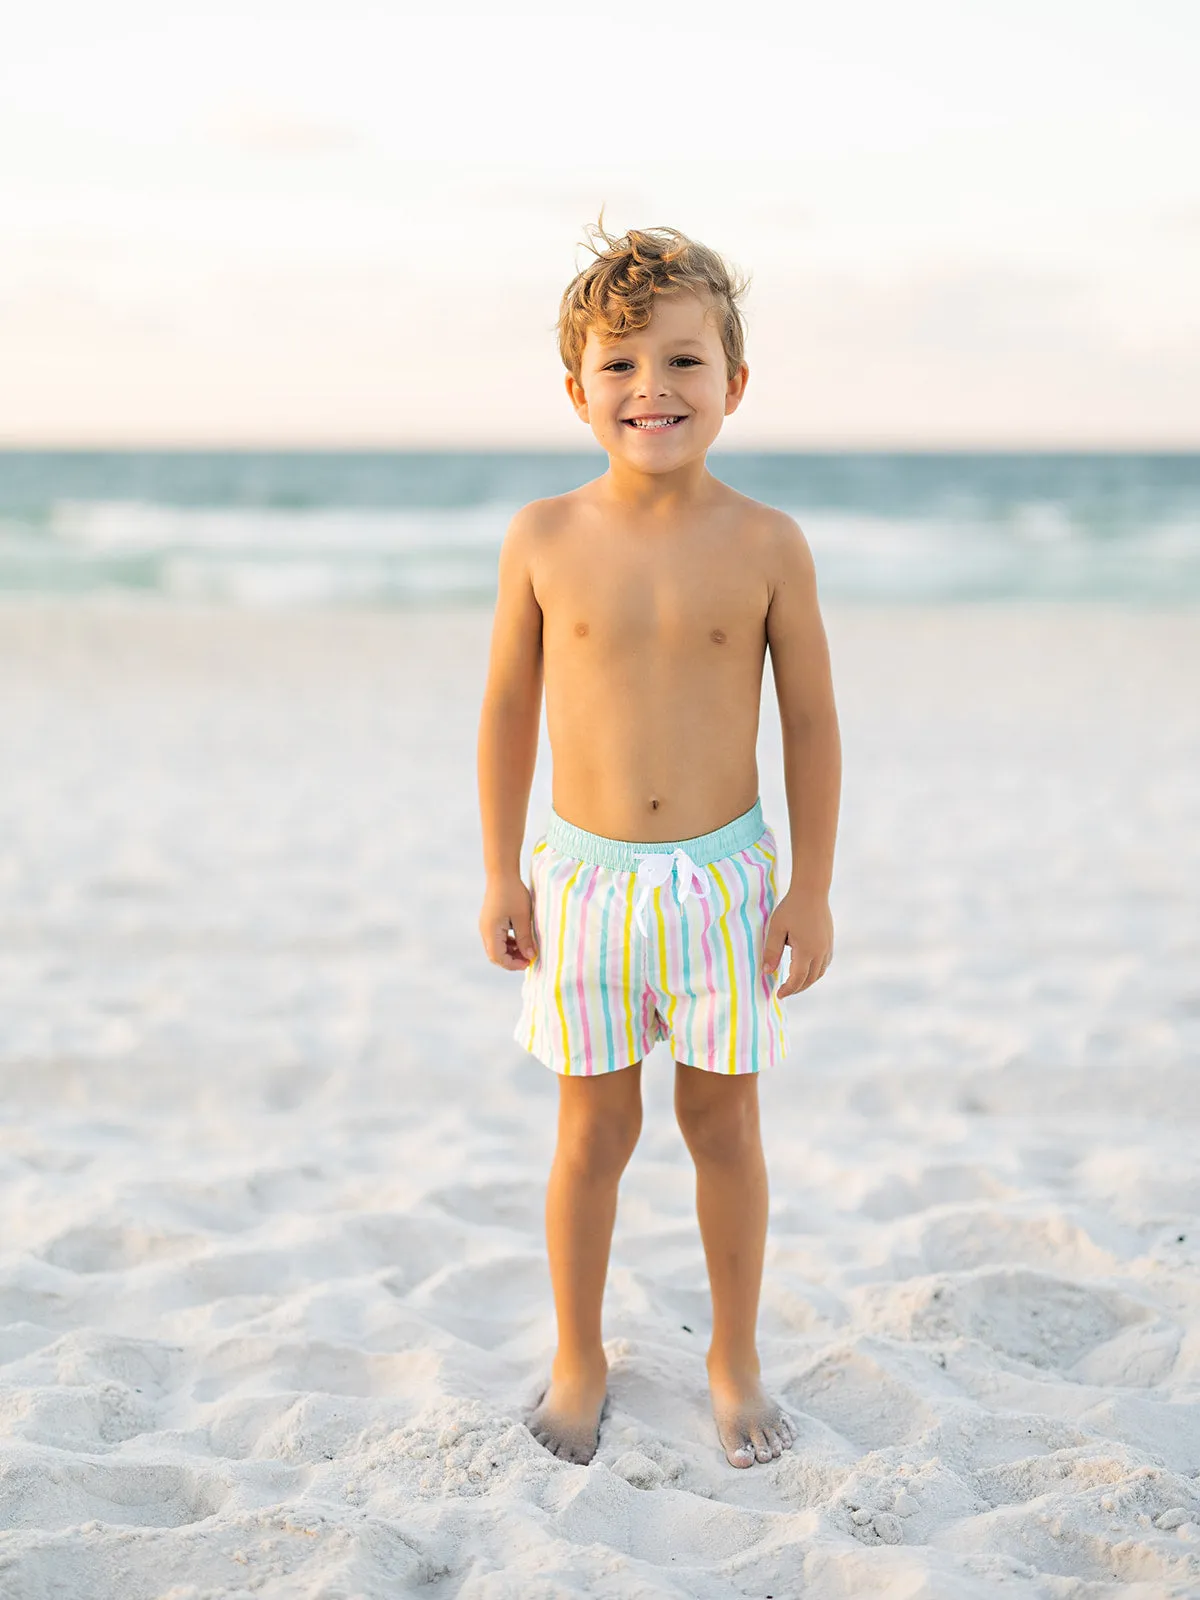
pixel 578 1069
pixel 723 1072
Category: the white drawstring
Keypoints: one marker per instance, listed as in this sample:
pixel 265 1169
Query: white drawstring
pixel 655 870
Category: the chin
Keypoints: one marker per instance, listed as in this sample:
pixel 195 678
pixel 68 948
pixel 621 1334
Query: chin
pixel 658 462
pixel 659 456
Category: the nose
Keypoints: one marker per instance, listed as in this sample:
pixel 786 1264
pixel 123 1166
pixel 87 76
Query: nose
pixel 651 382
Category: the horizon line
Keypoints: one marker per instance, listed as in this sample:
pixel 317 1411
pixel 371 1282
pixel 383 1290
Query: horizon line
pixel 191 446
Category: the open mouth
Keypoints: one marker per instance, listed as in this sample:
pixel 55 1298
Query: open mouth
pixel 652 424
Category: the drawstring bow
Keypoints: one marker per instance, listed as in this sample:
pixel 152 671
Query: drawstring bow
pixel 656 869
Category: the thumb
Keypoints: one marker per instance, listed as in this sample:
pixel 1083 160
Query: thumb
pixel 773 949
pixel 523 933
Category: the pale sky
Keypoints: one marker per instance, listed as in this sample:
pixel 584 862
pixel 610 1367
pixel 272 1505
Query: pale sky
pixel 350 223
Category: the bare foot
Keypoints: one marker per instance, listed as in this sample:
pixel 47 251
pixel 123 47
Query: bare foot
pixel 566 1419
pixel 752 1427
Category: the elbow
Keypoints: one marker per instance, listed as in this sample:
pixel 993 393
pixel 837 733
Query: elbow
pixel 810 724
pixel 514 703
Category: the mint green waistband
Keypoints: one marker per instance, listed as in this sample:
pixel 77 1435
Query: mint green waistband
pixel 622 854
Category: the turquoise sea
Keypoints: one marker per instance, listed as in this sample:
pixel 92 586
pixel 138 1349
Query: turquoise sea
pixel 313 528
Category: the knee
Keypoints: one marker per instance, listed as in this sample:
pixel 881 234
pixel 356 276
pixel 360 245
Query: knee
pixel 721 1130
pixel 599 1146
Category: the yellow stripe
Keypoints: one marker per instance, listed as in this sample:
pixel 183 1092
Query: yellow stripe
pixel 526 981
pixel 662 937
pixel 562 940
pixel 781 1036
pixel 625 968
pixel 662 948
pixel 733 996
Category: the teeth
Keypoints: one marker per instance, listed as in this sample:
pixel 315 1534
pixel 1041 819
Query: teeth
pixel 655 422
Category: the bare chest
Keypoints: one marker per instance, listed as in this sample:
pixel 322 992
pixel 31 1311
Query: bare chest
pixel 709 608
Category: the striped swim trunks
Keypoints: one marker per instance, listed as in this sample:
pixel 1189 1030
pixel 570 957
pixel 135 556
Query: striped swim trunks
pixel 641 942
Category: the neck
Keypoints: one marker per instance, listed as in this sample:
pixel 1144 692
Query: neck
pixel 656 492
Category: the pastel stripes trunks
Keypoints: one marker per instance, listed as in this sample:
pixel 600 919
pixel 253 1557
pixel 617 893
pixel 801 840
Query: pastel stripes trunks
pixel 637 942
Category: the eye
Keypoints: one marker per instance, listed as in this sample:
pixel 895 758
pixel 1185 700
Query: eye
pixel 614 366
pixel 687 361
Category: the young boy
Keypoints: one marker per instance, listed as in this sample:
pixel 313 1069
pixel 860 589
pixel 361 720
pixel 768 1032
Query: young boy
pixel 648 599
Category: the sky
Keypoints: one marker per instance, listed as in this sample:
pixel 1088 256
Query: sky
pixel 966 226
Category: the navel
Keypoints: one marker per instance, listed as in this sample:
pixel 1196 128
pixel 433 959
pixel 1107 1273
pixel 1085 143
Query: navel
pixel 717 636
pixel 654 805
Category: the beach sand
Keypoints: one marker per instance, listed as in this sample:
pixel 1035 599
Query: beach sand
pixel 273 1290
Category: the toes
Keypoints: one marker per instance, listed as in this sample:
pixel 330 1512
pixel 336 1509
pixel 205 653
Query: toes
pixel 743 1456
pixel 761 1448
pixel 774 1443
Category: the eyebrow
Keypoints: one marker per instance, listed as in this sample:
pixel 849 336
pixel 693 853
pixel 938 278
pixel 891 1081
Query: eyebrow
pixel 679 343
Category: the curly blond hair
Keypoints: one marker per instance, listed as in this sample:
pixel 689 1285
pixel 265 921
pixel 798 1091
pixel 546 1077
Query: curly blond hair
pixel 614 294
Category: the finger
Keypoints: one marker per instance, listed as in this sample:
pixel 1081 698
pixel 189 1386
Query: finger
pixel 810 977
pixel 524 937
pixel 798 977
pixel 505 952
pixel 777 941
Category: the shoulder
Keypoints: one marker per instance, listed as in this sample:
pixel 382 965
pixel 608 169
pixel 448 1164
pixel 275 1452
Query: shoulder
pixel 529 529
pixel 778 538
pixel 540 520
pixel 790 552
pixel 786 563
pixel 534 541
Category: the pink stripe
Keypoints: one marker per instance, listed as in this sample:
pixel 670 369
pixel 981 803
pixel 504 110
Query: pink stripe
pixel 675 957
pixel 761 864
pixel 775 1006
pixel 708 972
pixel 745 982
pixel 589 1066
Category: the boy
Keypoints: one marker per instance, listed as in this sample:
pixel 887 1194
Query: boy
pixel 648 599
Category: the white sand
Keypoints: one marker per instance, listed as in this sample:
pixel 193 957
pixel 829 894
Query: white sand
pixel 273 1293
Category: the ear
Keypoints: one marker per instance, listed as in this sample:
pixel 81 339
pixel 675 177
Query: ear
pixel 577 397
pixel 736 388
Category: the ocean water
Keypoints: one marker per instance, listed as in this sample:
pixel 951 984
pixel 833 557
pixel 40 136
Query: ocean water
pixel 344 528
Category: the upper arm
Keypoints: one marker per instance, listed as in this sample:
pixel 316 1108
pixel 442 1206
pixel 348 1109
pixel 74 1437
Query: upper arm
pixel 795 631
pixel 515 665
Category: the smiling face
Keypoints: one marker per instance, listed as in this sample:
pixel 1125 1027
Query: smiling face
pixel 656 398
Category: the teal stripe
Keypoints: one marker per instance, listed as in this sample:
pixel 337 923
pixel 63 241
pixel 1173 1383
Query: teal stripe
pixel 750 994
pixel 686 982
pixel 609 897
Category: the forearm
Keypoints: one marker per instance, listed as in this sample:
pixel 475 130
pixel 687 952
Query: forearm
pixel 507 756
pixel 812 770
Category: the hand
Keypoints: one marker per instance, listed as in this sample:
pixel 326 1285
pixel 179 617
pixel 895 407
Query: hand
pixel 803 922
pixel 506 924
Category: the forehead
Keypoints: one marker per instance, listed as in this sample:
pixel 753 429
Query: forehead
pixel 678 316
